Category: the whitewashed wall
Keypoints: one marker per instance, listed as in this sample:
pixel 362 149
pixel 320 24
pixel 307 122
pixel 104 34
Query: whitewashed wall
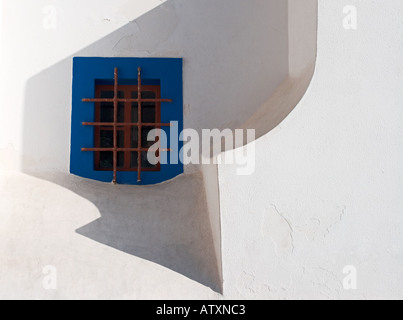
pixel 327 191
pixel 91 231
pixel 194 30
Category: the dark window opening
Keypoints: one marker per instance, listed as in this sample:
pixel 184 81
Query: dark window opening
pixel 124 117
pixel 127 136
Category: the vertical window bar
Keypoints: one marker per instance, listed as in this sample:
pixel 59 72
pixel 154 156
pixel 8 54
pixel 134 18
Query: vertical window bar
pixel 115 123
pixel 140 127
pixel 127 129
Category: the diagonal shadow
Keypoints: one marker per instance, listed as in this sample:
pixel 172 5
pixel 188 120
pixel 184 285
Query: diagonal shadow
pixel 153 223
pixel 168 224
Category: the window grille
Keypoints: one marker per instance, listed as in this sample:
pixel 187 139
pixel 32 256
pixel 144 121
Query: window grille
pixel 120 131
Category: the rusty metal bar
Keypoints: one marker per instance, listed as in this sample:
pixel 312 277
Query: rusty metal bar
pixel 125 124
pixel 126 100
pixel 140 127
pixel 115 132
pixel 123 149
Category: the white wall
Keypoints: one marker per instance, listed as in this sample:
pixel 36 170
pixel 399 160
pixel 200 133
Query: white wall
pixel 302 35
pixel 39 79
pixel 327 191
pixel 327 188
pixel 225 45
pixel 1 23
pixel 30 46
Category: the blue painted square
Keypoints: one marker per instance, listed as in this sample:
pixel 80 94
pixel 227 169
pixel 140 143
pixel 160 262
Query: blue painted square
pixel 90 71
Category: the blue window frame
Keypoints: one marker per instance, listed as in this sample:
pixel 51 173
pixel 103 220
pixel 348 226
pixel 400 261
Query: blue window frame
pixel 88 75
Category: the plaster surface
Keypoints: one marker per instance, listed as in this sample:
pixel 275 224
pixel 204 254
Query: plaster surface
pixel 118 244
pixel 327 189
pixel 35 132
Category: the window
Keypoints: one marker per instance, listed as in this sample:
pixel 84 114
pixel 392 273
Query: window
pixel 124 112
pixel 125 116
pixel 127 135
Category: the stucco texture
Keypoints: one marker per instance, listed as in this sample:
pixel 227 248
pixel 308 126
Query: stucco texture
pixel 326 192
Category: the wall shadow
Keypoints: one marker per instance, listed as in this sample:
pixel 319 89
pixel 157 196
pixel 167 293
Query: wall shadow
pixel 235 57
pixel 168 224
pixel 152 223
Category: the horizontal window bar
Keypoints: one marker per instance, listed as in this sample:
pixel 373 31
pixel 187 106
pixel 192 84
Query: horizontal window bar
pixel 127 100
pixel 124 149
pixel 126 124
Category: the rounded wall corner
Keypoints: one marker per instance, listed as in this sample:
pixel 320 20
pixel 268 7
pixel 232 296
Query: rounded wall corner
pixel 302 51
